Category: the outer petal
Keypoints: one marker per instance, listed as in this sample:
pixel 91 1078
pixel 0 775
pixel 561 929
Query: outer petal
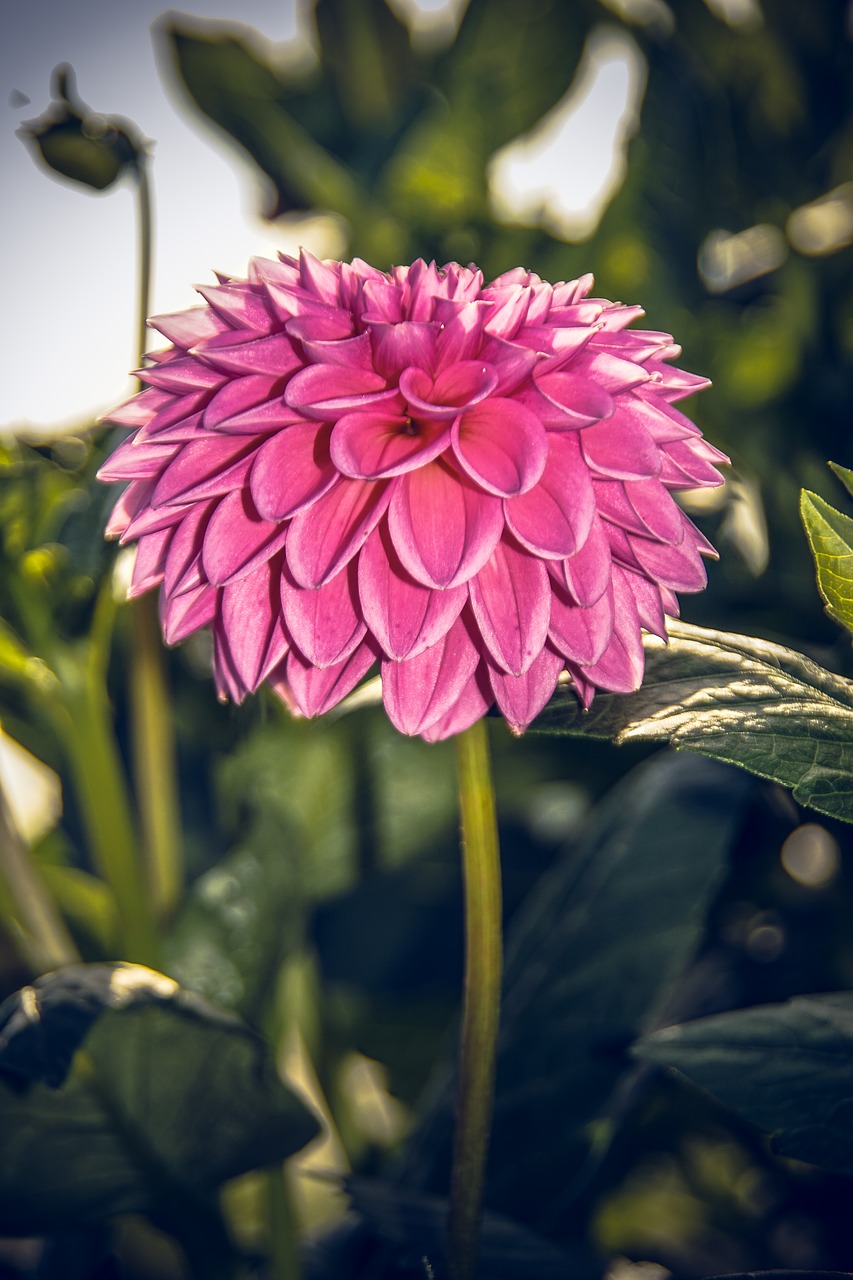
pixel 181 615
pixel 329 533
pixel 150 562
pixel 471 705
pixel 237 539
pixel 553 519
pixel 324 623
pixel 582 634
pixel 521 698
pixel 421 690
pixel 680 568
pixel 443 528
pixel 511 600
pixel 375 443
pixel 315 690
pixel 326 391
pixel 581 400
pixel 620 668
pixel 404 616
pixel 501 445
pixel 183 563
pixel 587 572
pixel 249 611
pixel 237 396
pixel 292 470
pixel 624 450
pixel 202 462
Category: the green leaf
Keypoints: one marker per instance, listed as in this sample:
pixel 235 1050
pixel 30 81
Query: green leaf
pixel 830 535
pixel 229 81
pixel 167 1098
pixel 631 901
pixel 845 476
pixel 747 702
pixel 786 1068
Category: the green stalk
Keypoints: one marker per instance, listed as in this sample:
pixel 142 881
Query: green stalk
pixel 49 945
pixel 481 1001
pixel 152 731
pixel 282 1228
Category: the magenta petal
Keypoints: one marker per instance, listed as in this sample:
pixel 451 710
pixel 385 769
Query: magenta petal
pixel 680 568
pixel 237 539
pixel 554 517
pixel 186 328
pixel 242 306
pixel 443 528
pixel 292 470
pixel 324 623
pixel 581 400
pixel 587 571
pixel 511 600
pixel 203 459
pixel 624 450
pixel 612 504
pixel 238 395
pixel 404 616
pixel 183 564
pixel 375 443
pixel 471 705
pixel 420 690
pixel 581 634
pixel 611 372
pixel 647 597
pixel 135 461
pixel 184 614
pixel 150 562
pixel 521 698
pixel 330 532
pixel 656 508
pixel 315 690
pixel 620 668
pixel 456 388
pixel 501 445
pixel 274 355
pixel 249 610
pixel 187 374
pixel 512 363
pixel 400 346
pixel 351 353
pixel 327 390
pixel 459 334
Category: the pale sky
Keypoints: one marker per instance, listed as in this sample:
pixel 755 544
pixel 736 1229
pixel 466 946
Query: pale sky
pixel 67 256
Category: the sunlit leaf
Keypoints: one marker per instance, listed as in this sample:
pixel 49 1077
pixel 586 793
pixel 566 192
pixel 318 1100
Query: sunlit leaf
pixel 830 535
pixel 744 701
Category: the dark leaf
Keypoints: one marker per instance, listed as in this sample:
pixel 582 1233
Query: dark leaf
pixel 786 1068
pixel 166 1099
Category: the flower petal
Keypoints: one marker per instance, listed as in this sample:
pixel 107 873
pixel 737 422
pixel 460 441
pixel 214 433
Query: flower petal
pixel 375 443
pixel 521 698
pixel 620 667
pixel 457 387
pixel 624 450
pixel 181 615
pixel 501 445
pixel 292 470
pixel 238 395
pixel 587 571
pixel 581 400
pixel 404 616
pixel 471 705
pixel 680 568
pixel 315 690
pixel 553 519
pixel 249 610
pixel 511 600
pixel 237 539
pixel 327 534
pixel 443 528
pixel 324 622
pixel 325 391
pixel 206 459
pixel 420 690
pixel 581 633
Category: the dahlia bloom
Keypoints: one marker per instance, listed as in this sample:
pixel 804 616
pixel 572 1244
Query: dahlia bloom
pixel 470 484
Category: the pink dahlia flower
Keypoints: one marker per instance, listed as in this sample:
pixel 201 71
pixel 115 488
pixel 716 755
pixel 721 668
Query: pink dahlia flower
pixel 470 484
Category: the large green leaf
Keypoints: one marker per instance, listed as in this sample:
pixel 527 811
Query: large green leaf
pixel 785 1067
pixel 594 957
pixel 745 701
pixel 165 1099
pixel 830 535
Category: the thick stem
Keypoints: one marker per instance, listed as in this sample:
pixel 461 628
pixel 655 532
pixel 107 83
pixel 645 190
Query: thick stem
pixel 481 1006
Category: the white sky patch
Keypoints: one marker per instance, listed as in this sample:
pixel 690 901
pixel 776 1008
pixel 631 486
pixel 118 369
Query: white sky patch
pixel 565 171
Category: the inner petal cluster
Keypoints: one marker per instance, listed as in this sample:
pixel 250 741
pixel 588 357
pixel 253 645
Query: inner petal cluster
pixel 469 483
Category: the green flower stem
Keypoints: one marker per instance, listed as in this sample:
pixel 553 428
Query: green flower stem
pixel 282 1227
pixel 49 945
pixel 153 748
pixel 101 789
pixel 152 732
pixel 481 1004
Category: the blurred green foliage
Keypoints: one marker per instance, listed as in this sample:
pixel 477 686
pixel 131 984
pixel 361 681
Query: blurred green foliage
pixel 321 898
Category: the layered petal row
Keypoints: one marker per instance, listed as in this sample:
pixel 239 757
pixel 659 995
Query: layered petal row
pixel 468 484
